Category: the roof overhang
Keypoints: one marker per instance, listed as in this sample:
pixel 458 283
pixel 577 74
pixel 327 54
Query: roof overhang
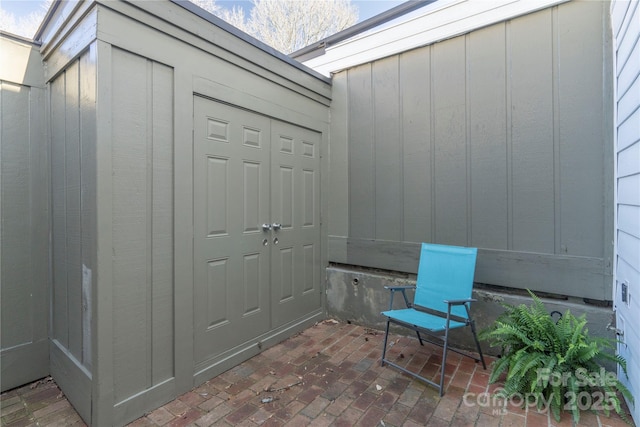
pixel 435 21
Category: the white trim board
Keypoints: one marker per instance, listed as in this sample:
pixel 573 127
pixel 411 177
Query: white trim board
pixel 438 21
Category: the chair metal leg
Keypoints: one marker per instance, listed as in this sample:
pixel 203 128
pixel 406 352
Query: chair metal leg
pixel 444 360
pixel 445 352
pixel 384 346
pixel 402 368
pixel 419 337
pixel 475 338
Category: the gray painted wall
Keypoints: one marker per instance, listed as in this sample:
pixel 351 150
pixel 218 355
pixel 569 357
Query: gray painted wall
pixel 72 96
pixel 24 209
pixel 142 215
pixel 498 139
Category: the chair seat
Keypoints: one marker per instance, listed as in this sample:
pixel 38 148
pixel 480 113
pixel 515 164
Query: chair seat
pixel 421 319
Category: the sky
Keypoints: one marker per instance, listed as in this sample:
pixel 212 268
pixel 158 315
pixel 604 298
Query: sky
pixel 367 8
pixel 21 7
pixel 17 16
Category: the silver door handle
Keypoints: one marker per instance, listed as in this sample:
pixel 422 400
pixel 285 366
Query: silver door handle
pixel 266 227
pixel 276 226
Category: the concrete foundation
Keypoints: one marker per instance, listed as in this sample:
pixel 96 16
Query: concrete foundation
pixel 358 295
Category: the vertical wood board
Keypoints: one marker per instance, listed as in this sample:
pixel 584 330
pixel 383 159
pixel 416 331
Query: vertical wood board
pixel 449 103
pixel 532 133
pixel 72 211
pixel 59 304
pixel 162 224
pixel 361 153
pixel 102 304
pixel 88 198
pixel 130 220
pixel 338 198
pixel 415 94
pixel 387 150
pixel 581 130
pixel 40 216
pixel 487 137
pixel 142 159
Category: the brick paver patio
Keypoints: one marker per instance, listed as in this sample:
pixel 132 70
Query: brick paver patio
pixel 328 375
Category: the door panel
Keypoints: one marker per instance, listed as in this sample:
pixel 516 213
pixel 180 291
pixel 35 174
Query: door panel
pixel 231 201
pixel 295 204
pixel 250 170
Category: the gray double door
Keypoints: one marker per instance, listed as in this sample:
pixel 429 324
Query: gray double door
pixel 256 226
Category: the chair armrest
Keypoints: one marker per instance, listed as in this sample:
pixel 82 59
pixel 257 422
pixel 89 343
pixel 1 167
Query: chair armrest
pixel 404 295
pixel 460 301
pixel 400 288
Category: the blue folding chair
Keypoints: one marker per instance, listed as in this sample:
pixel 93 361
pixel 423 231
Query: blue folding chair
pixel 441 302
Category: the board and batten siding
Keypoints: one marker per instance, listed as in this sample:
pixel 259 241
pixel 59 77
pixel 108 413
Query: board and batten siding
pixel 498 139
pixel 142 221
pixel 24 210
pixel 72 100
pixel 625 17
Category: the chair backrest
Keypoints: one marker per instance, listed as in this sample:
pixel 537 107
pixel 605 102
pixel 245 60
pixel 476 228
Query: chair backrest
pixel 445 273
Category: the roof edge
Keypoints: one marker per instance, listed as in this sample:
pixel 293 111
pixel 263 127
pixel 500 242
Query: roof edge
pixel 312 50
pixel 455 18
pixel 46 20
pixel 20 39
pixel 222 24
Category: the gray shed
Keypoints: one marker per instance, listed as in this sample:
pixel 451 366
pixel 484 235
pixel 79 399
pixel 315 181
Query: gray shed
pixel 186 224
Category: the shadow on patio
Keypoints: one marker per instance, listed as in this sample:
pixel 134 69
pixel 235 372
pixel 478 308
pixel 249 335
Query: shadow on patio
pixel 328 375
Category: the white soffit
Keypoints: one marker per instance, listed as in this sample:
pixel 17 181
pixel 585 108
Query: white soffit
pixel 435 22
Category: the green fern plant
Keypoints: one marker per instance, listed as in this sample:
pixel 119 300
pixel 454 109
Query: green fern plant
pixel 554 364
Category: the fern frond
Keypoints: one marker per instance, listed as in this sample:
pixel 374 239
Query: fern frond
pixel 499 366
pixel 535 346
